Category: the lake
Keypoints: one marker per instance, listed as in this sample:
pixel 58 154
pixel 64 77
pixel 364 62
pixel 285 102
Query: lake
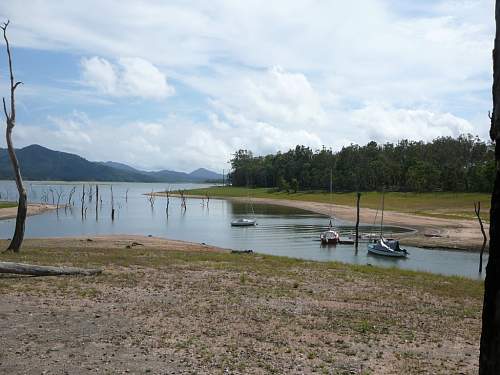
pixel 280 231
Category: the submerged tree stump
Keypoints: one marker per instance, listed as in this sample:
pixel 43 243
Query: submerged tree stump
pixel 34 270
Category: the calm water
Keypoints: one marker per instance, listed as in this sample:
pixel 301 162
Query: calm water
pixel 280 231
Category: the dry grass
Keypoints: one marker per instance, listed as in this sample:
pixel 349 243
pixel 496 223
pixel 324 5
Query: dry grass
pixel 162 310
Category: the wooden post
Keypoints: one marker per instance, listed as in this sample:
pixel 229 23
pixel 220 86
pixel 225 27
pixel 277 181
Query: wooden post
pixel 357 219
pixel 112 205
pixel 97 202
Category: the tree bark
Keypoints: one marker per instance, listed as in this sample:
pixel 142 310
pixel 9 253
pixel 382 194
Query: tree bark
pixel 34 270
pixel 22 207
pixel 489 358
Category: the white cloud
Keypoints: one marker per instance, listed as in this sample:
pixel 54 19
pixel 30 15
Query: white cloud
pixel 270 75
pixel 134 77
pixel 383 124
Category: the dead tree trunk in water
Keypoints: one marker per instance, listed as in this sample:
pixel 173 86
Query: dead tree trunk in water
pixel 96 202
pixel 357 219
pixel 477 210
pixel 489 358
pixel 83 199
pixel 112 205
pixel 22 207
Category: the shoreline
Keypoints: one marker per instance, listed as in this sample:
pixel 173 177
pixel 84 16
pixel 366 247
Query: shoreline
pixel 33 209
pixel 429 232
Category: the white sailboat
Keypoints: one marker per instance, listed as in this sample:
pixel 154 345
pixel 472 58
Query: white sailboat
pixel 331 236
pixel 384 246
pixel 245 222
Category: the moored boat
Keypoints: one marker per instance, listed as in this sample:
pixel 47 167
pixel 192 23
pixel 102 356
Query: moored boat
pixel 388 248
pixel 243 222
pixel 329 237
pixel 384 246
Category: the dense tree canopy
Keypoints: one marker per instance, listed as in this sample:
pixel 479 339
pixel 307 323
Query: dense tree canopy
pixel 465 163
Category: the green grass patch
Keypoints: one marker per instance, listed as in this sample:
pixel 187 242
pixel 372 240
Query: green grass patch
pixel 4 204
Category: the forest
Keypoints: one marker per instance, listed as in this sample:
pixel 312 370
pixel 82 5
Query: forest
pixel 462 164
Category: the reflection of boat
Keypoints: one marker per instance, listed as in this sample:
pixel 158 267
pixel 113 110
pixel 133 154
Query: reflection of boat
pixel 330 236
pixel 243 222
pixel 387 247
pixel 383 246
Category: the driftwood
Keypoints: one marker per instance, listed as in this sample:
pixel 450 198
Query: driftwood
pixel 34 270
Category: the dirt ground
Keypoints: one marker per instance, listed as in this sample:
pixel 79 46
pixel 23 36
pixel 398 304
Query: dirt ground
pixel 432 232
pixel 170 307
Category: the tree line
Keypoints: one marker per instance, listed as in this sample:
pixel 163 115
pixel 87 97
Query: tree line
pixel 465 163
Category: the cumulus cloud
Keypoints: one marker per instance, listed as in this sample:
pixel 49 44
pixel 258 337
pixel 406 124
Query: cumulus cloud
pixel 134 77
pixel 267 76
pixel 377 122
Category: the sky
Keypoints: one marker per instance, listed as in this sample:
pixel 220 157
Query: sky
pixel 184 84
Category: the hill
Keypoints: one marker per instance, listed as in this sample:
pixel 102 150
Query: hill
pixel 40 163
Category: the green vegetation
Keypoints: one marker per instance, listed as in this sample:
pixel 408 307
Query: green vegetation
pixel 464 164
pixel 7 204
pixel 446 205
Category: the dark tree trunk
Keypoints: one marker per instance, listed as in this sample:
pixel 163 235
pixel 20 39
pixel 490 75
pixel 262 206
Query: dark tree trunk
pixel 489 359
pixel 22 207
pixel 357 219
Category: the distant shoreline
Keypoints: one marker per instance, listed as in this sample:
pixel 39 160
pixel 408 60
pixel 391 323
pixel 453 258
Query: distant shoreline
pixel 33 209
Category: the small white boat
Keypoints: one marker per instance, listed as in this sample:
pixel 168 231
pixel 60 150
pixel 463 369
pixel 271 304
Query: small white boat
pixel 243 222
pixel 329 237
pixel 388 248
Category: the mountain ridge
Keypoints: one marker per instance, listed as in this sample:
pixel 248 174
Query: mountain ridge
pixel 41 163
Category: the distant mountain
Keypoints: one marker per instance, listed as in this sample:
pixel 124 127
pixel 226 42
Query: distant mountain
pixel 40 163
pixel 121 166
pixel 205 174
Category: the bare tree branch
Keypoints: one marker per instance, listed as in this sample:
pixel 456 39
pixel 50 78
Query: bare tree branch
pixel 5 111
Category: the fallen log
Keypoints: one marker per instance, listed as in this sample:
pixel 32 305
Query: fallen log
pixel 34 270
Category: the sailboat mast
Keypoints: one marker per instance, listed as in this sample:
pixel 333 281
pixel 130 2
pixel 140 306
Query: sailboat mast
pixel 382 220
pixel 331 188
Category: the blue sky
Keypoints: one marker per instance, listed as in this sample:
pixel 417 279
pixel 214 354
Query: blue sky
pixel 183 84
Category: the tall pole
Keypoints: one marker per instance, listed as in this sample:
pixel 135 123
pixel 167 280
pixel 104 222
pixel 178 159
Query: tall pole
pixel 357 219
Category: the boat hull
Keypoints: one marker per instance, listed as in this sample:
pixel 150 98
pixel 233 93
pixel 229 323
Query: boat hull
pixel 374 249
pixel 243 223
pixel 330 241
